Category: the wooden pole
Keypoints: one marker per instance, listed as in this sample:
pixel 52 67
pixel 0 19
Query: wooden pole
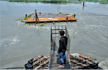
pixel 74 15
pixel 39 13
pixel 83 5
pixel 67 19
pixel 25 15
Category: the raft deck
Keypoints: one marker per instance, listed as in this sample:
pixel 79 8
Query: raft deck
pixel 50 18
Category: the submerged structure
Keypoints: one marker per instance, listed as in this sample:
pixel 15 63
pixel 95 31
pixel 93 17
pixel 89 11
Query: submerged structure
pixel 49 17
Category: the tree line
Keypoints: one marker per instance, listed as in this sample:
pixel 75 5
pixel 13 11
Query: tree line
pixel 58 1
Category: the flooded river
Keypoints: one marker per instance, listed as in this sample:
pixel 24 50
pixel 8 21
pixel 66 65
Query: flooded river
pixel 20 42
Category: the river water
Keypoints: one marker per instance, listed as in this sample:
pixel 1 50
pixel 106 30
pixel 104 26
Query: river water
pixel 20 42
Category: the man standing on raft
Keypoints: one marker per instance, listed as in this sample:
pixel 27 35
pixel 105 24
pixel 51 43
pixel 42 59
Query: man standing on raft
pixel 62 48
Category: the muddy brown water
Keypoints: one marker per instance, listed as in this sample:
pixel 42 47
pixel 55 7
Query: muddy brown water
pixel 20 42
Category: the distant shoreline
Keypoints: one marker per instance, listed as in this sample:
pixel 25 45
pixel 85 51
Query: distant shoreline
pixel 59 1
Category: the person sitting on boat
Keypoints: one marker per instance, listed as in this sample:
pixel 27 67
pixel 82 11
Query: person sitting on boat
pixel 62 48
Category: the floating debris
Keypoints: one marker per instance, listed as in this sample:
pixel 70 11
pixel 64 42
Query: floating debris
pixel 41 25
pixel 73 37
pixel 60 13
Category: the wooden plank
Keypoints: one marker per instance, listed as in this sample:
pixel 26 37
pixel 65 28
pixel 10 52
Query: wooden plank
pixel 43 63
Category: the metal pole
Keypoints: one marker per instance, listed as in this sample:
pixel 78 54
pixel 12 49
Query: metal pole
pixel 55 30
pixel 35 18
pixel 51 35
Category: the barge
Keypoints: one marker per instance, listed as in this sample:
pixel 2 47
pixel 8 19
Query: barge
pixel 49 17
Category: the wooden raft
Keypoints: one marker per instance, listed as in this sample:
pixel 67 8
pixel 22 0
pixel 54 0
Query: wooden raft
pixel 73 61
pixel 51 19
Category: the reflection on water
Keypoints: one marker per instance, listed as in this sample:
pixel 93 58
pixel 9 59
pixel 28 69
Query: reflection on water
pixel 20 42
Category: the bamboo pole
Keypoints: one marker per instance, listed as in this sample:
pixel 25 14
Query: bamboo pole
pixel 36 58
pixel 43 63
pixel 38 62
